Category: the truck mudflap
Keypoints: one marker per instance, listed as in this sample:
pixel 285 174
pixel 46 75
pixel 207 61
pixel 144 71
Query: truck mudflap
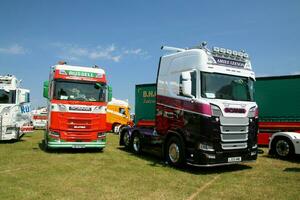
pixel 208 159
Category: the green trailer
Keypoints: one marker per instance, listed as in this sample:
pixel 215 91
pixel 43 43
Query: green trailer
pixel 145 100
pixel 278 99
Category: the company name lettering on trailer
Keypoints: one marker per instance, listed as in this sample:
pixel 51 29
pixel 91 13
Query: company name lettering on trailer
pixel 25 109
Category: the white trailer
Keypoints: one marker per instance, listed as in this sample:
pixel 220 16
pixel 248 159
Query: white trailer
pixel 15 109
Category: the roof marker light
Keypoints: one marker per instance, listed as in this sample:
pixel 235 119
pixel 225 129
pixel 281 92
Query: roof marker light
pixel 222 50
pixel 240 54
pixel 228 51
pixel 216 49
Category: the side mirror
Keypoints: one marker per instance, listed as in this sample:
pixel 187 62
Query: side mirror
pixel 46 89
pixel 186 84
pixel 109 88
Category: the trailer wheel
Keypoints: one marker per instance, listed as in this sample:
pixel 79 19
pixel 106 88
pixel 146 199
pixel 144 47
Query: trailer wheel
pixel 175 152
pixel 136 143
pixel 283 147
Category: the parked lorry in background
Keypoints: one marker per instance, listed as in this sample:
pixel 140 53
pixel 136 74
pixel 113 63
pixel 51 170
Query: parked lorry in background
pixel 200 111
pixel 118 115
pixel 15 109
pixel 77 99
pixel 278 98
pixel 39 118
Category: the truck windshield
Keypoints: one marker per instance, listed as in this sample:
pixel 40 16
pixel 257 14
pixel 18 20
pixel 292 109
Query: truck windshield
pixel 8 97
pixel 221 86
pixel 79 91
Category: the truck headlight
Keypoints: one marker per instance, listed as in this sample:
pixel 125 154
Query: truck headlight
pixel 216 111
pixel 206 147
pixel 54 134
pixel 253 112
pixel 101 136
pixel 62 108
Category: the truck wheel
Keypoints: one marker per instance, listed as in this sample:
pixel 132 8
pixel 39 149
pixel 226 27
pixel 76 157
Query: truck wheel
pixel 283 147
pixel 17 138
pixel 126 139
pixel 175 152
pixel 136 143
pixel 45 145
pixel 115 128
pixel 120 129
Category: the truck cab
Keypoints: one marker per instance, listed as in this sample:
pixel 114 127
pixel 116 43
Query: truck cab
pixel 77 99
pixel 118 115
pixel 15 109
pixel 205 113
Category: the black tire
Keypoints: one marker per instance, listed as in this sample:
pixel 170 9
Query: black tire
pixel 282 147
pixel 126 139
pixel 45 145
pixel 120 129
pixel 174 152
pixel 136 144
pixel 114 127
pixel 17 136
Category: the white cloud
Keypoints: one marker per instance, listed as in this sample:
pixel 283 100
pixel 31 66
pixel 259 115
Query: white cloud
pixel 295 73
pixel 133 51
pixel 110 52
pixel 14 49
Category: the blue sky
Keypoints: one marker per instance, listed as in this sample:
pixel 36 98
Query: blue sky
pixel 124 37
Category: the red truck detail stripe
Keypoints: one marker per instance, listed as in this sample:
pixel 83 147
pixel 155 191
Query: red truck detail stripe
pixel 186 105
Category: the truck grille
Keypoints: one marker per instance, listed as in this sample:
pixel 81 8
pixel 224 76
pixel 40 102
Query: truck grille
pixel 234 132
pixel 79 124
pixel 79 121
pixel 234 129
pixel 230 146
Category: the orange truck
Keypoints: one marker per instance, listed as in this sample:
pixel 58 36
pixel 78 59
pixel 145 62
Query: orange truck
pixel 77 99
pixel 118 115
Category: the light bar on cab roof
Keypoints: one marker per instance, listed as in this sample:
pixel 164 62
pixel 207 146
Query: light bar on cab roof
pixel 229 52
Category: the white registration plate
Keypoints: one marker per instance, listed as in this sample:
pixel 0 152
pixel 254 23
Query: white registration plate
pixel 234 159
pixel 78 146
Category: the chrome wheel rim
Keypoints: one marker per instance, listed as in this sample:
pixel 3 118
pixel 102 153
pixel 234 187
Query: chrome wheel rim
pixel 136 143
pixel 115 129
pixel 282 148
pixel 174 152
pixel 126 139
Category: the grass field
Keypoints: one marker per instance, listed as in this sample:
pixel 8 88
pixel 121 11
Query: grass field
pixel 27 172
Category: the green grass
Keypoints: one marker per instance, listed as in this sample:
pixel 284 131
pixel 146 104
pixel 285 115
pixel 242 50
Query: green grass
pixel 27 172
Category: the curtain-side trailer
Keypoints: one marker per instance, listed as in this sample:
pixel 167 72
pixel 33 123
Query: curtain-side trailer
pixel 278 98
